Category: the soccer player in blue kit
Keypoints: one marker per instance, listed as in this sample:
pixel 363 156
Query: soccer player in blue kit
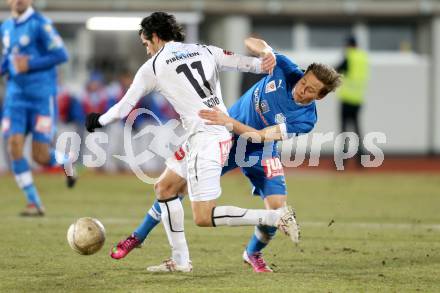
pixel 32 48
pixel 276 108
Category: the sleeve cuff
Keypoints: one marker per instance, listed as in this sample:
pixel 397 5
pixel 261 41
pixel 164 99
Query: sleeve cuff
pixel 102 120
pixel 283 130
pixel 257 66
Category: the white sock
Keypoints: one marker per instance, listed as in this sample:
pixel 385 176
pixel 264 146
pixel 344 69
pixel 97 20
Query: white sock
pixel 234 216
pixel 67 162
pixel 172 218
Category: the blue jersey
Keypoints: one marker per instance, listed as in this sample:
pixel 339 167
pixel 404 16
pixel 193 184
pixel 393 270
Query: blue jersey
pixel 33 35
pixel 270 102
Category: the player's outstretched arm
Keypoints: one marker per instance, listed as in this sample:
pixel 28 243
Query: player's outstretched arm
pixel 144 82
pixel 228 61
pixel 217 117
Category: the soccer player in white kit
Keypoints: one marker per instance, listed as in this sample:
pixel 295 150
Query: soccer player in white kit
pixel 187 75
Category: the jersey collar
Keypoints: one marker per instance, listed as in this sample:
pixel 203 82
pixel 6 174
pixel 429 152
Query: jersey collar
pixel 169 43
pixel 25 15
pixel 302 105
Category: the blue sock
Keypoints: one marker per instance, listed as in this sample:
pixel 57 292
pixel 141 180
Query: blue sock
pixel 260 239
pixel 32 195
pixel 151 219
pixel 23 177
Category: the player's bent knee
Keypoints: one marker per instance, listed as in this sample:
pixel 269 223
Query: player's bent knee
pixel 277 205
pixel 163 190
pixel 274 202
pixel 166 189
pixel 158 190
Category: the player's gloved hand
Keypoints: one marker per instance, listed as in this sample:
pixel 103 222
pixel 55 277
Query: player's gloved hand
pixel 92 122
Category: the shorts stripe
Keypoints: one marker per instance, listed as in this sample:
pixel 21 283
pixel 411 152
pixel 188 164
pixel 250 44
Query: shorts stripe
pixel 195 167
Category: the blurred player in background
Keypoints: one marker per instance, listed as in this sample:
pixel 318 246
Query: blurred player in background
pixel 276 107
pixel 354 67
pixel 32 48
pixel 188 76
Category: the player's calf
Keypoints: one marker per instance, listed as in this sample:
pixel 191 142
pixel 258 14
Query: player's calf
pixel 41 155
pixel 15 146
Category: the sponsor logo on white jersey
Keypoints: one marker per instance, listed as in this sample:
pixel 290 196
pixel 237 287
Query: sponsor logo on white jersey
pixel 179 55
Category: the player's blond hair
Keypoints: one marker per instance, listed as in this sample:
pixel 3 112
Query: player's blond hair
pixel 327 75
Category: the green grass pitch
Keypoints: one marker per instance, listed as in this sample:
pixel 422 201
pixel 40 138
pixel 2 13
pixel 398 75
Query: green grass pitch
pixel 384 237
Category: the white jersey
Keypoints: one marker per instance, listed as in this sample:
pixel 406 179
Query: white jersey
pixel 187 75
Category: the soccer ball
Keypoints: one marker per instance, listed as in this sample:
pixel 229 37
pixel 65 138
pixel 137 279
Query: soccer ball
pixel 86 236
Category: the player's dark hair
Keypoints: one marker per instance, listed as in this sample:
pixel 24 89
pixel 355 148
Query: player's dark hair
pixel 164 25
pixel 327 75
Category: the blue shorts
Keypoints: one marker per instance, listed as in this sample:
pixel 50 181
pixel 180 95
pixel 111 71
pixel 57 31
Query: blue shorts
pixel 37 116
pixel 266 176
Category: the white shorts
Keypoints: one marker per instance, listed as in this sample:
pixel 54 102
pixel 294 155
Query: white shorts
pixel 200 161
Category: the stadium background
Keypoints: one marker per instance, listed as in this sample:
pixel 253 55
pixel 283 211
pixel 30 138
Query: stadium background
pixel 396 212
pixel 402 39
